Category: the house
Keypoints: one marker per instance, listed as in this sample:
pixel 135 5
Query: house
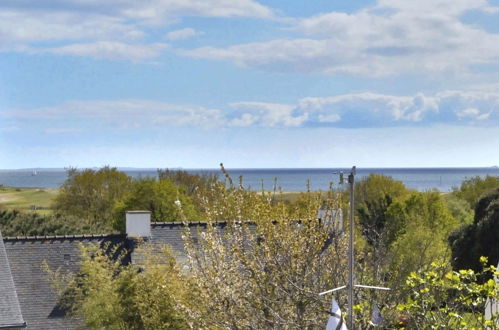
pixel 27 299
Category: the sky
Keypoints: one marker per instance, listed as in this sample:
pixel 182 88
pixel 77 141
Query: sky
pixel 252 84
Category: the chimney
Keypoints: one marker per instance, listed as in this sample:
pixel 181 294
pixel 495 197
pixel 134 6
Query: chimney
pixel 138 224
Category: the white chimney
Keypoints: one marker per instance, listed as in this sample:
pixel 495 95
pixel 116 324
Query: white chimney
pixel 138 223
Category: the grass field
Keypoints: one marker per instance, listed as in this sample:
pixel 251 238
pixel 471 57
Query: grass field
pixel 34 199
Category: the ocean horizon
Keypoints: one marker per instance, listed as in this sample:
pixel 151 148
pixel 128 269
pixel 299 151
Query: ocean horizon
pixel 287 179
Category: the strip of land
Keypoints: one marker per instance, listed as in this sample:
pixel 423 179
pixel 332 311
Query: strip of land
pixel 34 199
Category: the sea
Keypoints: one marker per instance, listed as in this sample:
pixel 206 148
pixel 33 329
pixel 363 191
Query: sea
pixel 286 179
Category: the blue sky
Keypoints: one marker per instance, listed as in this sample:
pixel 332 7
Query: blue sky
pixel 277 83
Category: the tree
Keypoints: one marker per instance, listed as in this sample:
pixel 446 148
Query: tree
pixel 91 194
pixel 441 299
pixel 459 208
pixel 161 197
pixel 424 223
pixel 479 238
pixel 374 195
pixel 106 294
pixel 261 270
pixel 472 189
pixel 189 183
pixel 196 186
pixel 264 270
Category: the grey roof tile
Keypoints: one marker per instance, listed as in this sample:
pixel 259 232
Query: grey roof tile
pixel 10 310
pixel 38 301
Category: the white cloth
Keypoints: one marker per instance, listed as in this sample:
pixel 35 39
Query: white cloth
pixel 335 321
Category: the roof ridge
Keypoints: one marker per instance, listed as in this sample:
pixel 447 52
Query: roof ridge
pixel 42 237
pixel 190 223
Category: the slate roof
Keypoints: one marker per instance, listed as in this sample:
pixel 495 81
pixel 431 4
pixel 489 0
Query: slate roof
pixel 10 310
pixel 38 301
pixel 168 233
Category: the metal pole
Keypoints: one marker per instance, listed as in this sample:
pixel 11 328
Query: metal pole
pixel 351 180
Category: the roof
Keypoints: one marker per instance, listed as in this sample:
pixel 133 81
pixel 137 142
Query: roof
pixel 39 303
pixel 167 233
pixel 27 281
pixel 10 310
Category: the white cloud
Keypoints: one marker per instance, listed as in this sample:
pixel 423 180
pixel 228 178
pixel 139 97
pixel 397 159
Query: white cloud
pixel 69 24
pixel 393 37
pixel 358 110
pixel 157 11
pixel 355 110
pixel 472 113
pixel 182 34
pixel 110 50
pixel 266 115
pixel 122 114
pixel 64 130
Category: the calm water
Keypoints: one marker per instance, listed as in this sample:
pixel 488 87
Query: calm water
pixel 421 179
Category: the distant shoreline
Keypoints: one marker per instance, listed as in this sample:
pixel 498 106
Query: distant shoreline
pixel 288 179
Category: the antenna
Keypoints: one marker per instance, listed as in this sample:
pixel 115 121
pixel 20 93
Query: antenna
pixel 351 284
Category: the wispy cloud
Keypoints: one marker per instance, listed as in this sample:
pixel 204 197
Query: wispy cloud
pixel 265 115
pixel 182 34
pixel 121 114
pixel 356 110
pixel 109 50
pixel 393 37
pixel 83 28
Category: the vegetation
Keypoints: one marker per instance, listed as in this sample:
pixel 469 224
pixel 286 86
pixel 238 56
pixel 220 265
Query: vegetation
pixel 472 189
pixel 441 299
pixel 266 273
pixel 90 194
pixel 374 195
pixel 112 296
pixel 16 223
pixel 161 197
pixel 479 238
pixel 27 199
pixel 272 258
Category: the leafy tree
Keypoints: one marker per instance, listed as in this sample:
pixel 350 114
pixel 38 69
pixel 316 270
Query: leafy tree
pixel 264 273
pixel 105 294
pixel 374 195
pixel 92 194
pixel 441 299
pixel 189 183
pixel 161 197
pixel 472 189
pixel 479 238
pixel 424 223
pixel 459 208
pixel 196 186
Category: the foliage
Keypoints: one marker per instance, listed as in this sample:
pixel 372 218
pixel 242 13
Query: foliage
pixel 16 223
pixel 439 299
pixel 459 208
pixel 480 238
pixel 190 183
pixel 424 223
pixel 90 194
pixel 266 265
pixel 374 195
pixel 108 295
pixel 159 197
pixel 264 272
pixel 472 189
pixel 196 186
